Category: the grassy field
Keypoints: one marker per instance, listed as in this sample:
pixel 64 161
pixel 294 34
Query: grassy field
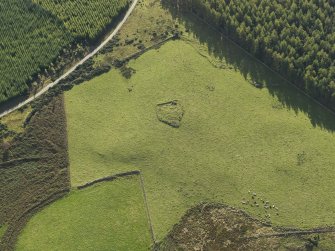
pixel 234 139
pixel 107 216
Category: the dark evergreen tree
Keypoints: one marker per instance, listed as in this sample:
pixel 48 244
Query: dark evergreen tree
pixel 295 37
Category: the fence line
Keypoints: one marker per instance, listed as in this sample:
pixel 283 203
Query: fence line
pixel 154 46
pixel 109 178
pixel 147 210
pixel 122 175
pixel 12 162
pixel 10 236
pixel 293 233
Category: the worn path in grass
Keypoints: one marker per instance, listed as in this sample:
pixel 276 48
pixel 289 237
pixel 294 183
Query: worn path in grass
pixel 233 138
pixel 72 69
pixel 106 216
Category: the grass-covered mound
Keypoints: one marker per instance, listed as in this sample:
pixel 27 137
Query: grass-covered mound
pixel 233 138
pixel 107 216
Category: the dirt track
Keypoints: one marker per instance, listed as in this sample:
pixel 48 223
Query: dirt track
pixel 46 88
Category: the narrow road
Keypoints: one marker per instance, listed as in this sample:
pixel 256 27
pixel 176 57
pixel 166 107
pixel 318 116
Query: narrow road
pixel 47 87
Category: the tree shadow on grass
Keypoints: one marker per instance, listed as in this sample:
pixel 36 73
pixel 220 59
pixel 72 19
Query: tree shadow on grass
pixel 221 47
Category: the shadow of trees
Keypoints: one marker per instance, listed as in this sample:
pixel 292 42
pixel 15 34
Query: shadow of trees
pixel 221 47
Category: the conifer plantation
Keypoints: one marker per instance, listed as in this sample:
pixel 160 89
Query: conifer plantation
pixel 295 37
pixel 35 32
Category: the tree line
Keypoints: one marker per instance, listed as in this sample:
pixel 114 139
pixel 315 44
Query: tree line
pixel 30 39
pixel 294 37
pixel 34 33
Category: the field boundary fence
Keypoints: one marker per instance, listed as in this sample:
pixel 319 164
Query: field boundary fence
pixel 294 233
pixel 124 175
pixel 154 46
pixel 18 224
pixel 14 162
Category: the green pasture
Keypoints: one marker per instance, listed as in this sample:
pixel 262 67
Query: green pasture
pixel 234 139
pixel 107 216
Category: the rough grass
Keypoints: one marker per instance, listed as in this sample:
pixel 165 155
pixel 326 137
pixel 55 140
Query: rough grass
pixel 34 170
pixel 107 216
pixel 15 120
pixel 148 24
pixel 231 140
pixel 218 227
